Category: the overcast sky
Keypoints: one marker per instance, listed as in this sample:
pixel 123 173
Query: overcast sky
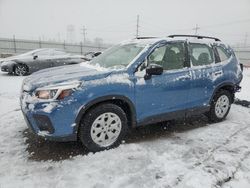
pixel 115 20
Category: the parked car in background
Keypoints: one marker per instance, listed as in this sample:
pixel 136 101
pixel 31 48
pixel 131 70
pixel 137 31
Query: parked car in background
pixel 91 55
pixel 138 82
pixel 38 59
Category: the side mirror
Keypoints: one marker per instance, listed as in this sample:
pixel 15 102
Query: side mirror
pixel 153 69
pixel 35 57
pixel 96 54
pixel 241 66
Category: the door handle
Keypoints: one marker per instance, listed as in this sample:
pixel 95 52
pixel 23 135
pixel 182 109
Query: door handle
pixel 186 77
pixel 217 73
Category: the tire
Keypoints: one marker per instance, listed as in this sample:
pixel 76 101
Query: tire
pixel 220 106
pixel 96 131
pixel 21 70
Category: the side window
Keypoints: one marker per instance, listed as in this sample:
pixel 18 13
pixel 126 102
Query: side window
pixel 170 57
pixel 201 54
pixel 223 54
pixel 57 52
pixel 157 55
pixel 44 53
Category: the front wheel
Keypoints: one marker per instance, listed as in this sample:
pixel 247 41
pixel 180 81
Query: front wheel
pixel 21 70
pixel 220 106
pixel 103 127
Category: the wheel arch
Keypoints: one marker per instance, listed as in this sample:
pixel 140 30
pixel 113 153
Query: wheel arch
pixel 20 63
pixel 229 86
pixel 124 102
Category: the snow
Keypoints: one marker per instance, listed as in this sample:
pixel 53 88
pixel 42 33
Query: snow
pixel 245 84
pixel 43 133
pixel 113 78
pixel 191 154
pixel 49 107
pixel 120 78
pixel 93 66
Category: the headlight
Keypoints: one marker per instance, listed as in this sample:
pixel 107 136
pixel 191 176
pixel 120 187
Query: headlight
pixel 56 92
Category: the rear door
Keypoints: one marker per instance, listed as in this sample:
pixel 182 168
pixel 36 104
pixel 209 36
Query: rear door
pixel 205 74
pixel 168 92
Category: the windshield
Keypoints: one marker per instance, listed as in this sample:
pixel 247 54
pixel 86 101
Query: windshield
pixel 31 52
pixel 118 56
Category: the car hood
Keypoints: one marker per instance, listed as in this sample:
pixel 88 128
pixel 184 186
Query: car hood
pixel 69 73
pixel 13 58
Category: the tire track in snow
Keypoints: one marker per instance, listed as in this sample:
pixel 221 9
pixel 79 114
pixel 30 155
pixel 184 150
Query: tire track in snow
pixel 222 182
pixel 210 153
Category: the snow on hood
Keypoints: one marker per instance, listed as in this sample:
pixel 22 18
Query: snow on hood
pixel 61 74
pixel 15 57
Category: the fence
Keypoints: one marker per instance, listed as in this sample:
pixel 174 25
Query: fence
pixel 17 46
pixel 243 55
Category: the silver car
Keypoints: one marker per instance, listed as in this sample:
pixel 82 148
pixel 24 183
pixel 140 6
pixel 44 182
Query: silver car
pixel 35 60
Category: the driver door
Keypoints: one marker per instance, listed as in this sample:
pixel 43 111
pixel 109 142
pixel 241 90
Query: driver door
pixel 165 94
pixel 42 59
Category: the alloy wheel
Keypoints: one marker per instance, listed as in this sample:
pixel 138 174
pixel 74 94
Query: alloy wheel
pixel 106 129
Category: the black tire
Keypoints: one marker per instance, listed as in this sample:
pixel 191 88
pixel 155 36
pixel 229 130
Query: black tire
pixel 212 115
pixel 21 70
pixel 93 115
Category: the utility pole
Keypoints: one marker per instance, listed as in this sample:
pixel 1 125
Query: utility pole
pixel 84 33
pixel 196 29
pixel 137 27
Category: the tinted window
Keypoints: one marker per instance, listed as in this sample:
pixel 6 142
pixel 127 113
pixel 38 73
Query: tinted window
pixel 170 56
pixel 223 54
pixel 201 54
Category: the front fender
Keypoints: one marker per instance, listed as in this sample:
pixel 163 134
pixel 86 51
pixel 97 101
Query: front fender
pixel 10 65
pixel 116 86
pixel 102 99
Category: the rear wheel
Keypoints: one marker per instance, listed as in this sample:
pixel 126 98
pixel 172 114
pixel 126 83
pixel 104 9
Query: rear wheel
pixel 21 70
pixel 220 106
pixel 103 127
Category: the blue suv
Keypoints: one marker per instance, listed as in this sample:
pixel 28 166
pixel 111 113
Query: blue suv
pixel 137 82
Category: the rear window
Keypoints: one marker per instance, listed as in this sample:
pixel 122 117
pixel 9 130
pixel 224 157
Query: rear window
pixel 223 54
pixel 201 54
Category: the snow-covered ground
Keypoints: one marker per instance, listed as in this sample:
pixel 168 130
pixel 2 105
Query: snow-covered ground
pixel 245 91
pixel 182 154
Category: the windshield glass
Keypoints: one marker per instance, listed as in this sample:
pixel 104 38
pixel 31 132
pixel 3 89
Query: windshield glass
pixel 32 52
pixel 118 56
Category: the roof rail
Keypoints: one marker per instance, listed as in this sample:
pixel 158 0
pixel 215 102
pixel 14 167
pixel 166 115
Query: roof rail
pixel 195 36
pixel 145 37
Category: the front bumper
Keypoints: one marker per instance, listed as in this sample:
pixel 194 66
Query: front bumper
pixel 57 124
pixel 6 68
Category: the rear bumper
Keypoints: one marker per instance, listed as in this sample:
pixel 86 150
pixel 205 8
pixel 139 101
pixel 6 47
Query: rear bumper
pixel 237 88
